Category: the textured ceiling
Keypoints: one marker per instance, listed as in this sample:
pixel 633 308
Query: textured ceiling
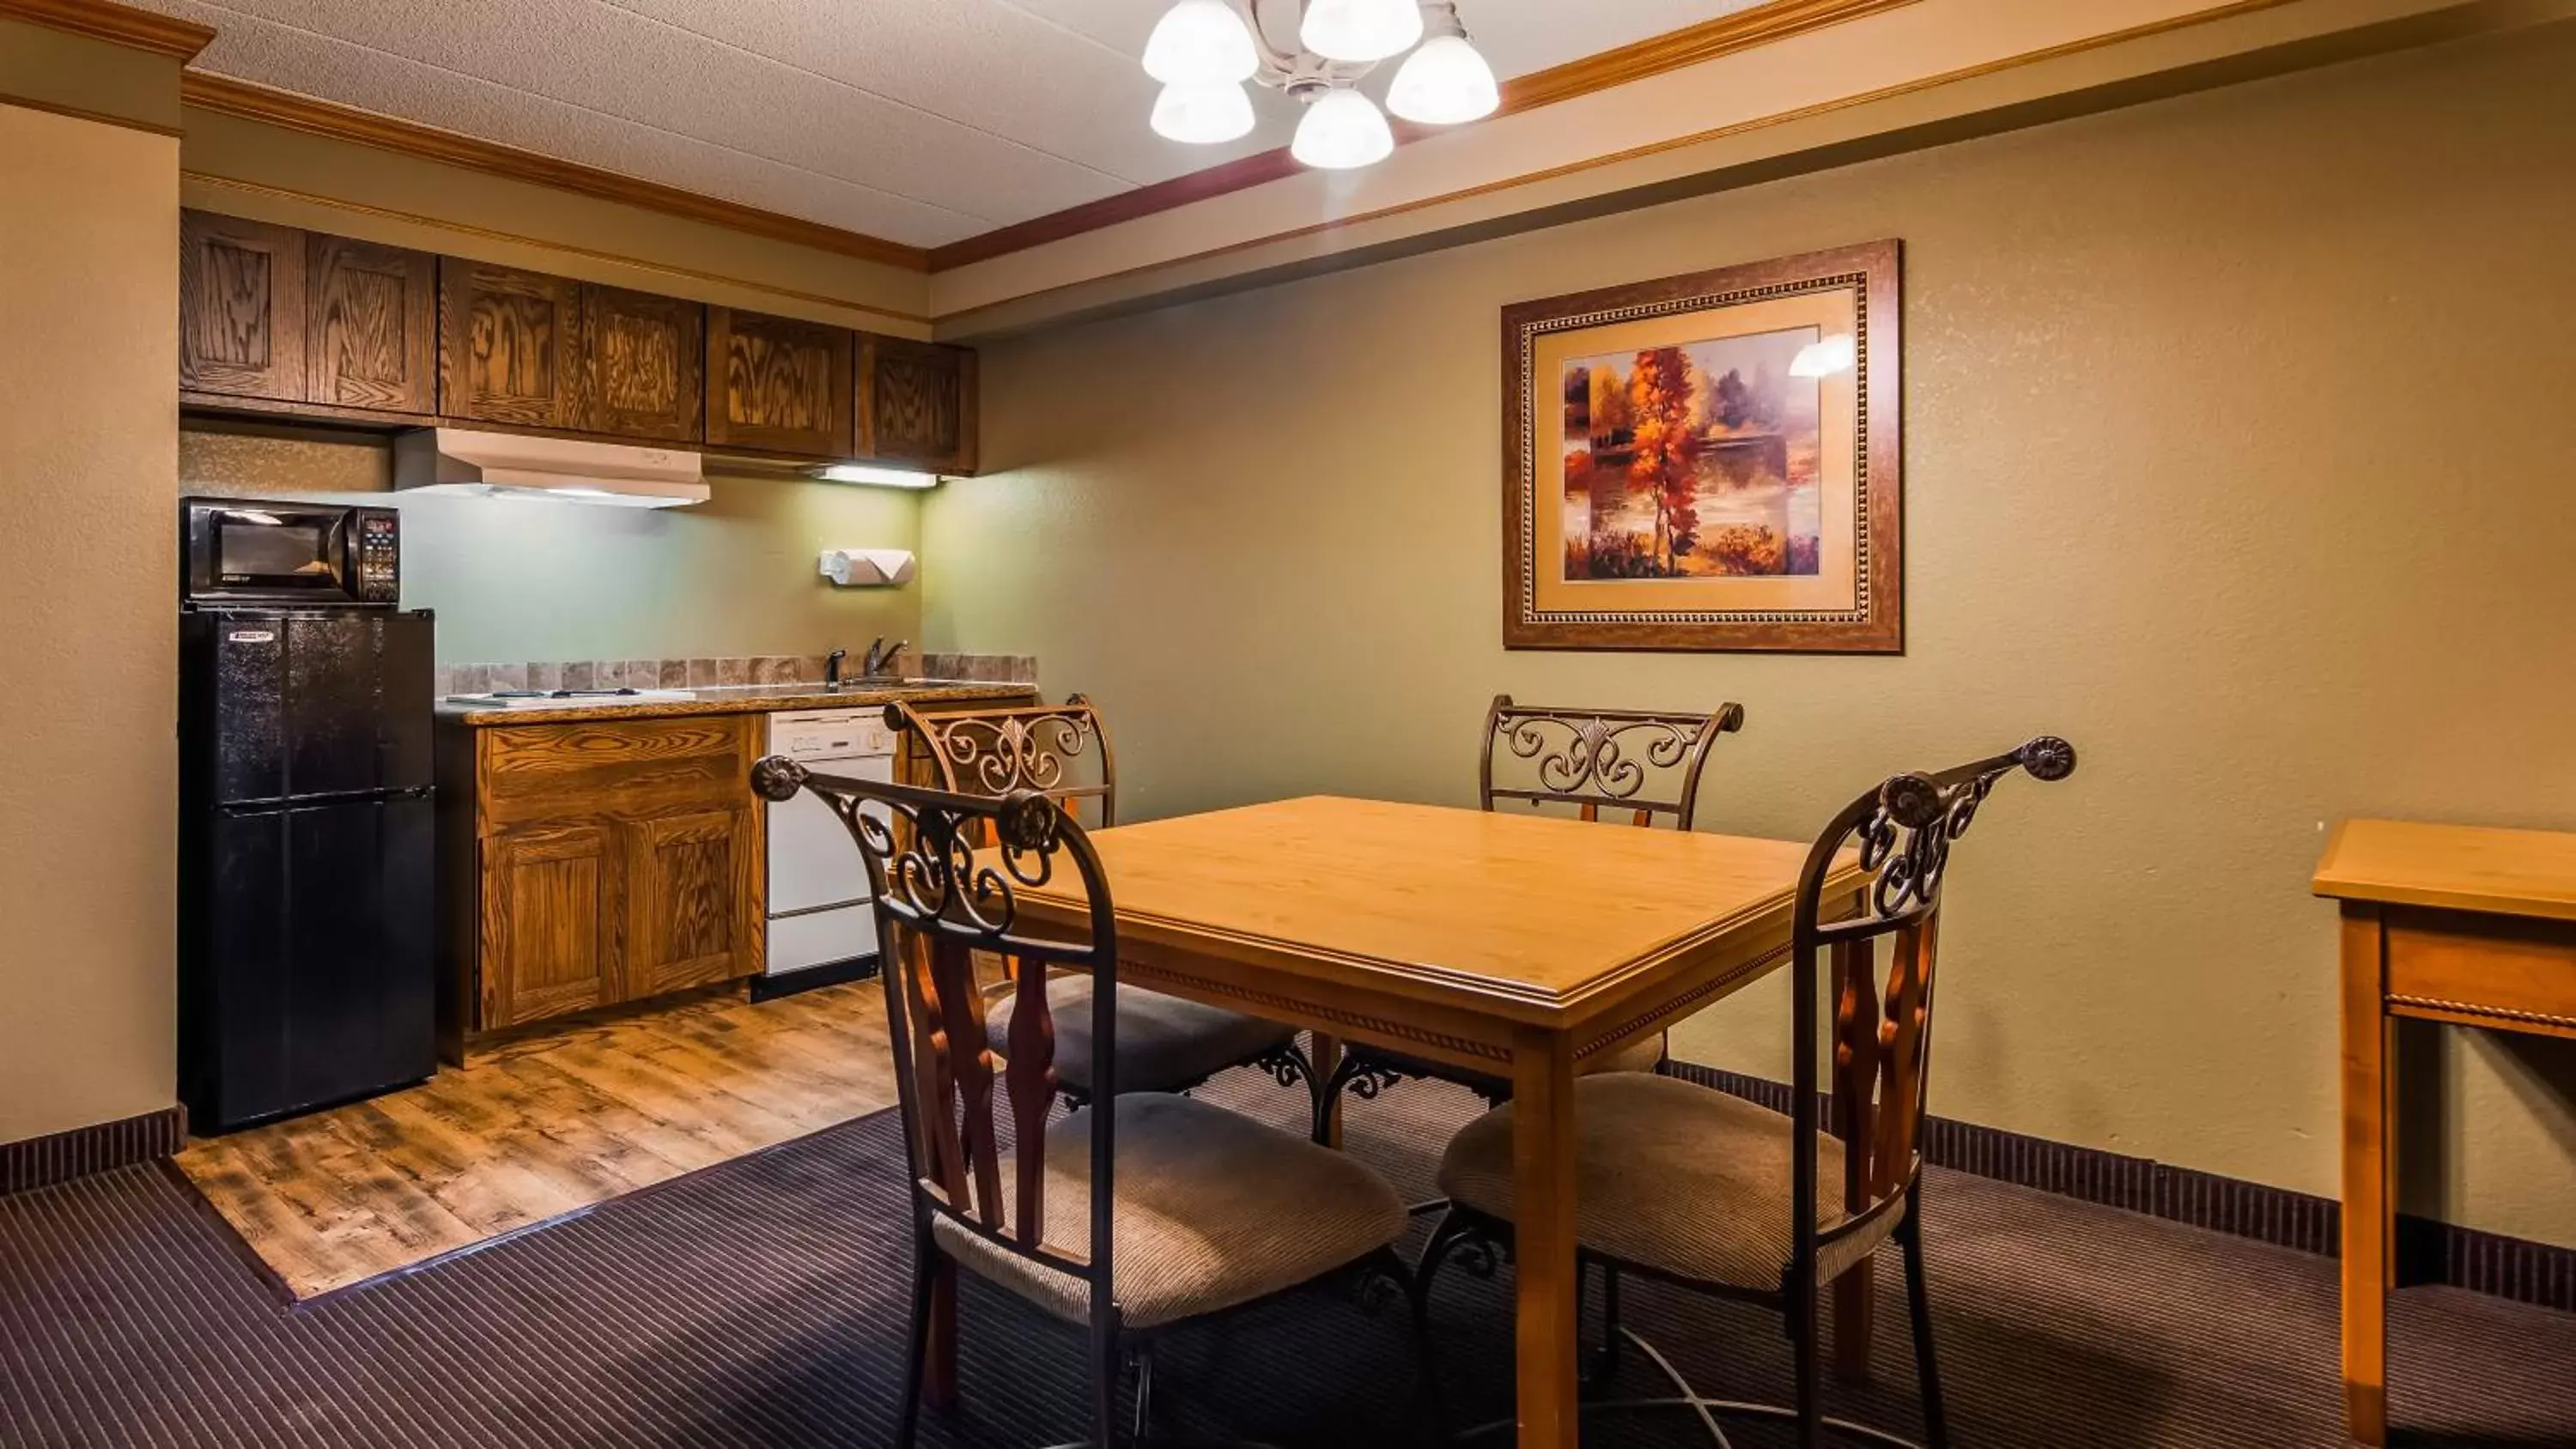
pixel 921 121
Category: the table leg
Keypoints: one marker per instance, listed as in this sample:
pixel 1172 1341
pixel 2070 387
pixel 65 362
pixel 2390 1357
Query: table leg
pixel 2369 1265
pixel 1327 1059
pixel 1543 1238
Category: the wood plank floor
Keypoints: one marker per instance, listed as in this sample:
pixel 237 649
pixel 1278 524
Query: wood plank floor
pixel 542 1127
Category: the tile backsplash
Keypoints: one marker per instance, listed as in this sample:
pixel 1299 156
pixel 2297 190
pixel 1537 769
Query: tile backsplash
pixel 716 673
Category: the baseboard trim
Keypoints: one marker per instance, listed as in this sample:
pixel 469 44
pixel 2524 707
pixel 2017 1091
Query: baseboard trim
pixel 830 973
pixel 62 1156
pixel 2428 1252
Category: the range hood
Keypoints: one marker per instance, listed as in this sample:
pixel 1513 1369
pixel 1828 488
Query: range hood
pixel 509 465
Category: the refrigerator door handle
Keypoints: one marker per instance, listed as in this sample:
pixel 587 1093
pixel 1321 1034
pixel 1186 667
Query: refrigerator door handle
pixel 273 804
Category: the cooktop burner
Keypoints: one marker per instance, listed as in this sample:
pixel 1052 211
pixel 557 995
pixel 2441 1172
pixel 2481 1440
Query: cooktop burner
pixel 566 698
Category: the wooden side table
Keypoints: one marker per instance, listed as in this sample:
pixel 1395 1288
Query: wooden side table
pixel 2448 923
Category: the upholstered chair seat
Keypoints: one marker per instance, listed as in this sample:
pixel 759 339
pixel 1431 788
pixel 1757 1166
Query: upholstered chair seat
pixel 1165 1044
pixel 1211 1210
pixel 1674 1177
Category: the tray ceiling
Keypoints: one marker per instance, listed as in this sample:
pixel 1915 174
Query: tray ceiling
pixel 922 123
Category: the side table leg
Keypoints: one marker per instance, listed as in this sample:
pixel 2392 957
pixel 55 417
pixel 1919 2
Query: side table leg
pixel 2369 1266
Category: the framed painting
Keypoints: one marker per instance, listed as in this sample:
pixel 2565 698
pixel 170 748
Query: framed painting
pixel 1708 462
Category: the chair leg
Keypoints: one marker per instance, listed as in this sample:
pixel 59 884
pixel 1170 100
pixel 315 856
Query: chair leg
pixel 1606 1366
pixel 1803 1339
pixel 1918 1302
pixel 917 1357
pixel 1144 1392
pixel 1445 1235
pixel 1104 1376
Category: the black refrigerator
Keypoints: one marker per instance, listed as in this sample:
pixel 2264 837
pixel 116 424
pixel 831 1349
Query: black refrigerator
pixel 305 950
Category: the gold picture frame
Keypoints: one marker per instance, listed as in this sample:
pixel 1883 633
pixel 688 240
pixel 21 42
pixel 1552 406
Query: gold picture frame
pixel 1709 462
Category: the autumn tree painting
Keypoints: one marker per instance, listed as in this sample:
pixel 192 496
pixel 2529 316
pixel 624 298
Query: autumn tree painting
pixel 1695 460
pixel 1667 450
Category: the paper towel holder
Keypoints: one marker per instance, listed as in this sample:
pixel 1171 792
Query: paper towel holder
pixel 867 568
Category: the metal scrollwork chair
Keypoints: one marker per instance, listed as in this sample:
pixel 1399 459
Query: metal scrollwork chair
pixel 1129 1218
pixel 1643 764
pixel 1698 1188
pixel 1165 1044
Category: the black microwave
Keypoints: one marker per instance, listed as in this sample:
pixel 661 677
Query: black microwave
pixel 237 551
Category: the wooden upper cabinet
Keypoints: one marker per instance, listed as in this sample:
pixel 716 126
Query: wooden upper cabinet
pixel 917 404
pixel 278 317
pixel 645 354
pixel 371 326
pixel 510 345
pixel 779 384
pixel 241 307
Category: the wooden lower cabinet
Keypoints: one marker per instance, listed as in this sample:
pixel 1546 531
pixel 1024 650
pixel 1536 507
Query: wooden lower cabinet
pixel 606 862
pixel 549 928
pixel 693 900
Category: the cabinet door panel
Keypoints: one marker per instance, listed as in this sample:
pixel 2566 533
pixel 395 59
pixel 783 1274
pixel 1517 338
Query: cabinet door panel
pixel 693 900
pixel 241 307
pixel 778 383
pixel 645 355
pixel 917 404
pixel 549 923
pixel 371 326
pixel 510 346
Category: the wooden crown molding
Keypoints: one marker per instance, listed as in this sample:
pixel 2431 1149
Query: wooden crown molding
pixel 123 24
pixel 1653 56
pixel 1690 45
pixel 226 96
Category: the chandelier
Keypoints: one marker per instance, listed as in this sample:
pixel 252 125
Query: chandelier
pixel 1204 50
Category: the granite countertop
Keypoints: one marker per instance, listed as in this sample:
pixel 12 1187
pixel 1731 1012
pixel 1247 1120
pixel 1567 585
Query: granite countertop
pixel 745 699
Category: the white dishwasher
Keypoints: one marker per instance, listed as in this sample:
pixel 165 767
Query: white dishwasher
pixel 820 919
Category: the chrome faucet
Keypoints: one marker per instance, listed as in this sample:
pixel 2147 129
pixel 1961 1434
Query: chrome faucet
pixel 880 658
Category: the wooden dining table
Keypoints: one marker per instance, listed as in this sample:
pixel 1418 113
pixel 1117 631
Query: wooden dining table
pixel 1512 945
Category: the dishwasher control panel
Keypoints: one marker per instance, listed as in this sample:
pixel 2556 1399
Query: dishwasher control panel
pixel 831 734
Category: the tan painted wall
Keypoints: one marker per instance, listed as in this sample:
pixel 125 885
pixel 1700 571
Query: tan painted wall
pixel 2232 455
pixel 89 305
pixel 532 581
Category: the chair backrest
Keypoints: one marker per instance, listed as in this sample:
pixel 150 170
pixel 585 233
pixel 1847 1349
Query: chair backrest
pixel 947 870
pixel 1642 761
pixel 1882 1030
pixel 1030 747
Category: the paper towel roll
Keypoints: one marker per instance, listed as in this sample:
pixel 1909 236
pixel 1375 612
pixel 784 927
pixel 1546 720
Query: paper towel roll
pixel 867 568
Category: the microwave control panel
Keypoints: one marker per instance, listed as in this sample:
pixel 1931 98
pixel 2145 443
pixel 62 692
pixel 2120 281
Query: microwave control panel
pixel 379 556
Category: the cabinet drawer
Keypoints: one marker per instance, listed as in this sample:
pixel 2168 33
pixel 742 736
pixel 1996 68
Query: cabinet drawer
pixel 614 767
pixel 2452 964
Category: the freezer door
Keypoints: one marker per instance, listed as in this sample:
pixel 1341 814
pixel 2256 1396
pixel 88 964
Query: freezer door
pixel 311 972
pixel 308 702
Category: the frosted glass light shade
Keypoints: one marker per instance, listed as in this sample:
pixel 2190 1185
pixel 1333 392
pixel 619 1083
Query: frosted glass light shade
pixel 1360 29
pixel 1200 43
pixel 1825 358
pixel 1202 115
pixel 1342 129
pixel 1444 83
